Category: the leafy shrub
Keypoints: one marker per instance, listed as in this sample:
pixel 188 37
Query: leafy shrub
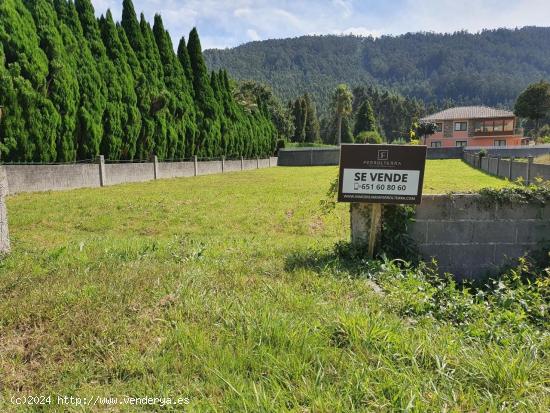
pixel 368 137
pixel 280 144
pixel 517 300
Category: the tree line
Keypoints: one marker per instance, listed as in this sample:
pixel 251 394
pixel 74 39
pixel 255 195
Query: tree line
pixel 74 86
pixel 490 67
pixel 374 113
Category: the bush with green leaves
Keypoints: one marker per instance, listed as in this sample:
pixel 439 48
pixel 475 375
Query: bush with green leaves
pixel 372 137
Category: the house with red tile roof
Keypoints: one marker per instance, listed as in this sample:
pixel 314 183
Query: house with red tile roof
pixel 474 126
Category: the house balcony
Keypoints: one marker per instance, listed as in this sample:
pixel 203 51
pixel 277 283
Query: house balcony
pixel 514 132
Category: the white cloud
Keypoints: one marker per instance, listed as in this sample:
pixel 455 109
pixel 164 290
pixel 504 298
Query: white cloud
pixel 359 31
pixel 253 34
pixel 223 23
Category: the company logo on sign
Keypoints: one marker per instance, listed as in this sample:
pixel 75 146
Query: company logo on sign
pixel 383 155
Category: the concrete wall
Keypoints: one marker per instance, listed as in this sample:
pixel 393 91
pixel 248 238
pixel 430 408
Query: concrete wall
pixel 119 173
pixel 4 233
pixel 444 153
pixel 467 236
pixel 209 167
pixel 501 167
pixel 250 164
pixel 32 178
pixel 508 152
pixel 309 156
pixel 331 156
pixel 175 169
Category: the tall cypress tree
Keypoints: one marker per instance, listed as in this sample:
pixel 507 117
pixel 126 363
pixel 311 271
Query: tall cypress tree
pixel 183 57
pixel 364 120
pixel 160 97
pixel 204 95
pixel 92 88
pixel 299 113
pixel 30 121
pixel 21 42
pixel 74 86
pixel 181 105
pixel 144 77
pixel 312 130
pixel 62 85
pixel 126 112
pixel 209 126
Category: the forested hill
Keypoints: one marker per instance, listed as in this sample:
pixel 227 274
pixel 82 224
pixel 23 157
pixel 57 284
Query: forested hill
pixel 490 67
pixel 73 86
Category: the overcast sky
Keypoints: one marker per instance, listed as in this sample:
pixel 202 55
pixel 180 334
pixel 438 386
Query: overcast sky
pixel 228 23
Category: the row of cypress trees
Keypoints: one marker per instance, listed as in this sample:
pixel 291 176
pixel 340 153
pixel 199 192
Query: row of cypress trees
pixel 306 122
pixel 73 86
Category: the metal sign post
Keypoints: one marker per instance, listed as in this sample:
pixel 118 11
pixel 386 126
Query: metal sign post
pixel 381 174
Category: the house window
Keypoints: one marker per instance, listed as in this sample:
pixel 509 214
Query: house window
pixel 509 125
pixel 460 144
pixel 498 125
pixel 488 126
pixel 478 126
pixel 500 142
pixel 436 144
pixel 439 127
pixel 461 126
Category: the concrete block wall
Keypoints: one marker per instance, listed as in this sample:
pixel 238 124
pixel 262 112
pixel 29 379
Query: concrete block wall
pixel 495 165
pixel 4 232
pixel 33 178
pixel 468 236
pixel 511 151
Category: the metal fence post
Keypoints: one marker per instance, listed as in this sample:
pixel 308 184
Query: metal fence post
pixel 196 165
pixel 257 162
pixel 498 165
pixel 242 163
pixel 512 159
pixel 101 162
pixel 223 163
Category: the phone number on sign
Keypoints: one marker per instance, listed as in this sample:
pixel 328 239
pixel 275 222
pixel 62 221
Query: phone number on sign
pixel 381 187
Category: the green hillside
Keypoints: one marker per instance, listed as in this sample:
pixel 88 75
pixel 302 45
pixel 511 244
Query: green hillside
pixel 490 67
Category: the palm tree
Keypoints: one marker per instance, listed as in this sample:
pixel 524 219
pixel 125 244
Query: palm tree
pixel 341 102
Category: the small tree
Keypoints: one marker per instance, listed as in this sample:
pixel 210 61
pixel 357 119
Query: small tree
pixel 341 102
pixel 364 120
pixel 425 129
pixel 368 137
pixel 534 102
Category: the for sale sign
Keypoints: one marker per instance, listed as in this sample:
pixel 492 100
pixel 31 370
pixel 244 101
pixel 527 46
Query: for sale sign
pixel 387 174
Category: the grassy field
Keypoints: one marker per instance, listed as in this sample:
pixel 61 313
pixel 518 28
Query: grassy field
pixel 224 289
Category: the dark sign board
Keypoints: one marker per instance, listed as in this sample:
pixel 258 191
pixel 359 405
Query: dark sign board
pixel 386 174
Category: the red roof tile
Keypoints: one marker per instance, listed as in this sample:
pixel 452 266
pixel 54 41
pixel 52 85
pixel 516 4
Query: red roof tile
pixel 469 112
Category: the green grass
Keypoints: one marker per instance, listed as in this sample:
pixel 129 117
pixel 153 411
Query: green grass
pixel 224 289
pixel 453 175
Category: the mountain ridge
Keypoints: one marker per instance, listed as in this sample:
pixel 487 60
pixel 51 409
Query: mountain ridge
pixel 488 67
